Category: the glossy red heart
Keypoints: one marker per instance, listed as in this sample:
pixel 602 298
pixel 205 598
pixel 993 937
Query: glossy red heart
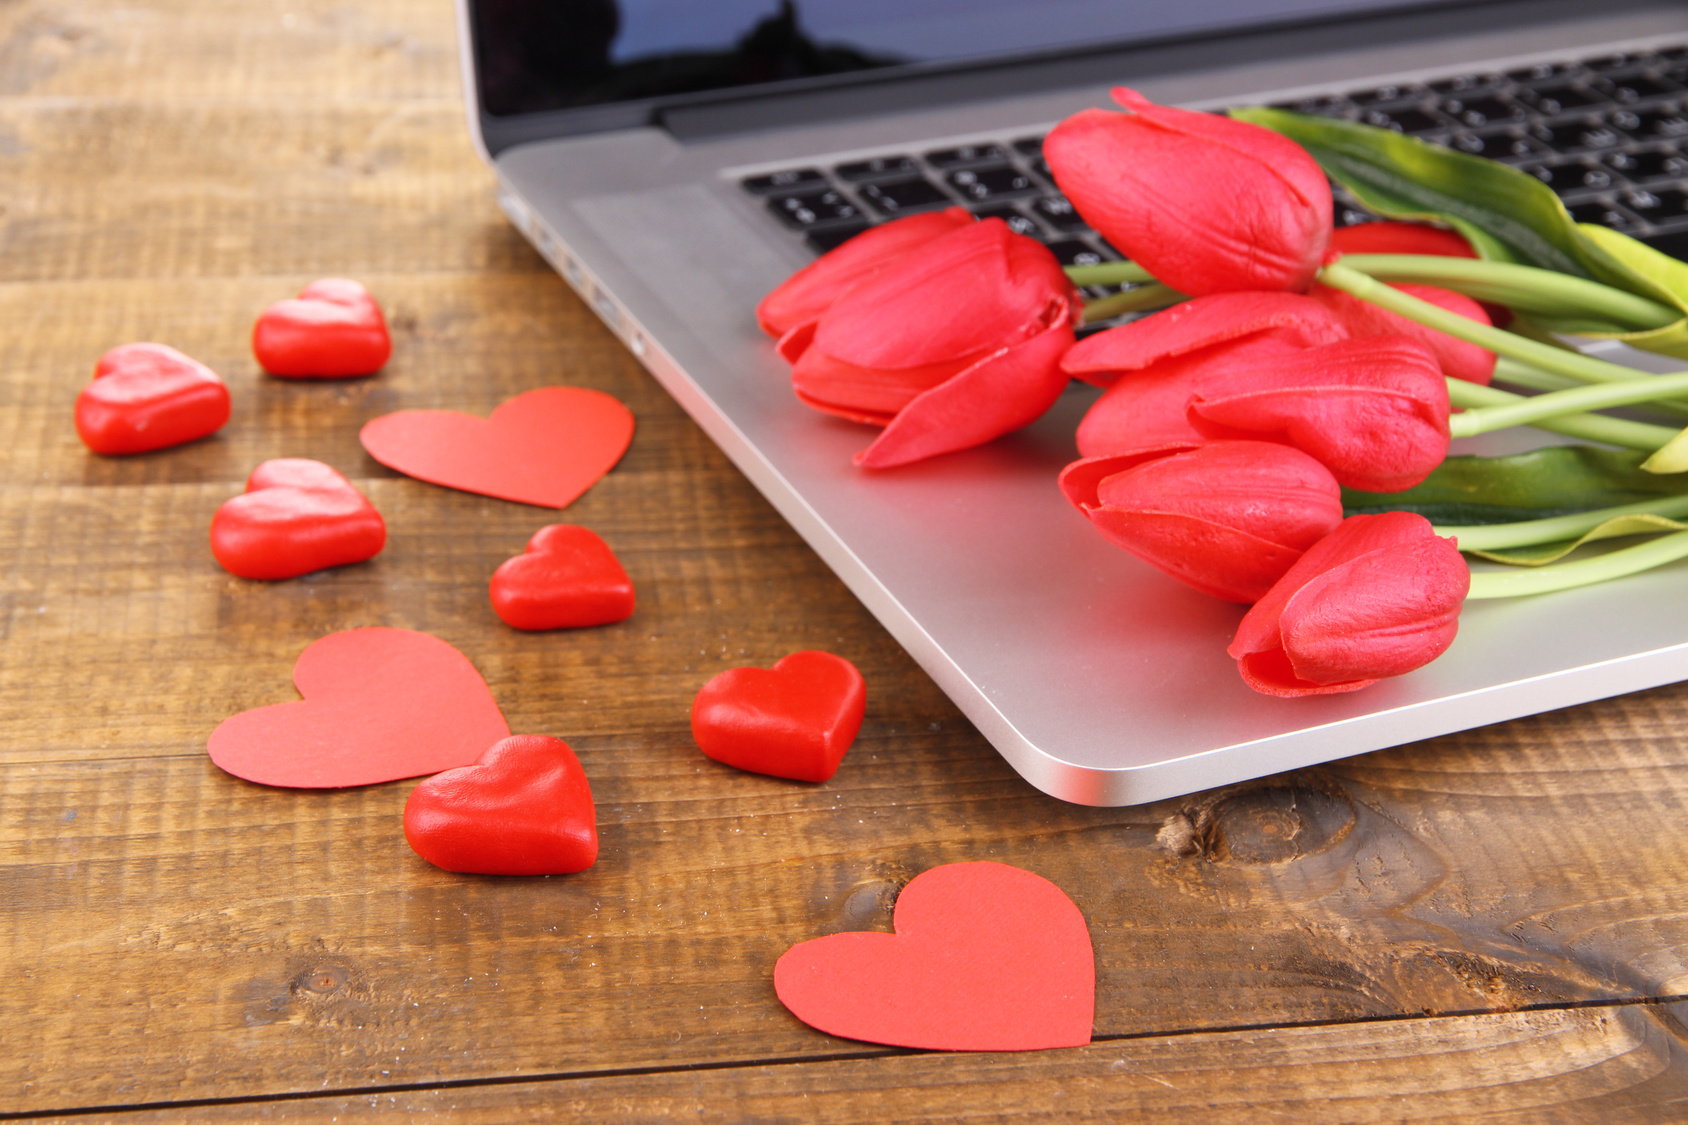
pixel 795 720
pixel 543 447
pixel 568 578
pixel 379 704
pixel 296 516
pixel 332 330
pixel 146 397
pixel 524 808
pixel 986 957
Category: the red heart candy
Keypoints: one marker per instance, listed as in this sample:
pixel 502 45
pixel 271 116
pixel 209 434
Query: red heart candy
pixel 567 579
pixel 296 516
pixel 332 330
pixel 524 808
pixel 146 397
pixel 543 447
pixel 379 704
pixel 986 957
pixel 795 720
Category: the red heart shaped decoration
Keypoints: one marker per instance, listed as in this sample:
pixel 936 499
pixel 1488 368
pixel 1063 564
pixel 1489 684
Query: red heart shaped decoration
pixel 146 397
pixel 795 720
pixel 986 957
pixel 567 579
pixel 332 330
pixel 524 808
pixel 379 704
pixel 295 516
pixel 544 447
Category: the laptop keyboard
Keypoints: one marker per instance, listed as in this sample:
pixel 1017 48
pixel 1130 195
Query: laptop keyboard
pixel 1608 134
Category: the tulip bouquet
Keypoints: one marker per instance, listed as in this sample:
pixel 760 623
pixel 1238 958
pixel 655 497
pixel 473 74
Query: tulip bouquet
pixel 1275 431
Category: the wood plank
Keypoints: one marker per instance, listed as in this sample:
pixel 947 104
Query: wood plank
pixel 1623 1066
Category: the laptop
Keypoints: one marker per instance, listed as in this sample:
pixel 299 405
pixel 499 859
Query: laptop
pixel 675 160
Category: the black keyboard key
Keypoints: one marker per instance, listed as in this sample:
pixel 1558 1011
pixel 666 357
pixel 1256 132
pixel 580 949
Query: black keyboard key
pixel 1486 109
pixel 1605 214
pixel 1462 84
pixel 1587 134
pixel 1013 216
pixel 1621 63
pixel 833 237
pixel 1666 121
pixel 1508 145
pixel 1653 164
pixel 1029 146
pixel 879 168
pixel 814 209
pixel 1353 215
pixel 1592 176
pixel 980 184
pixel 1675 244
pixel 1409 120
pixel 1562 178
pixel 1385 94
pixel 794 180
pixel 1541 72
pixel 898 197
pixel 1058 212
pixel 1665 207
pixel 1326 105
pixel 966 154
pixel 1072 252
pixel 1642 87
pixel 1555 100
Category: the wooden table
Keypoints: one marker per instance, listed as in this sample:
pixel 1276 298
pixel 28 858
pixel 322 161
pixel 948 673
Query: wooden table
pixel 1491 926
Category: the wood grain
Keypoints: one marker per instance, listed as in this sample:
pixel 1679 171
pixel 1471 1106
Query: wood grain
pixel 169 934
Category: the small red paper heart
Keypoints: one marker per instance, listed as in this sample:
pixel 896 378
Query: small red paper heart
pixel 567 579
pixel 146 397
pixel 524 808
pixel 795 720
pixel 986 957
pixel 379 704
pixel 544 447
pixel 296 516
pixel 332 330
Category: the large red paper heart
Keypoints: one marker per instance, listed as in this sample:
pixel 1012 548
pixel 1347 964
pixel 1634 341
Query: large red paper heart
pixel 986 957
pixel 543 447
pixel 567 579
pixel 379 704
pixel 146 397
pixel 332 330
pixel 525 808
pixel 296 516
pixel 795 720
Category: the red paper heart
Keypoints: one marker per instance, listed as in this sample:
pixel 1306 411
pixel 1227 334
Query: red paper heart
pixel 525 808
pixel 296 516
pixel 379 704
pixel 568 578
pixel 332 330
pixel 146 397
pixel 544 447
pixel 986 957
pixel 795 720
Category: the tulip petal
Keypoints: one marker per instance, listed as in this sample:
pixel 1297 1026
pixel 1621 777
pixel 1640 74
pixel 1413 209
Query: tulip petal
pixel 1080 480
pixel 1224 562
pixel 794 343
pixel 1270 673
pixel 813 289
pixel 1001 393
pixel 1456 358
pixel 818 377
pixel 1393 237
pixel 1201 323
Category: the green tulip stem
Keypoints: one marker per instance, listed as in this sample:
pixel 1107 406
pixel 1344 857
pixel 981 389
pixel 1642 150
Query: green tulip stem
pixel 1583 572
pixel 1559 361
pixel 1536 408
pixel 1554 529
pixel 1589 427
pixel 1140 299
pixel 1109 273
pixel 1520 287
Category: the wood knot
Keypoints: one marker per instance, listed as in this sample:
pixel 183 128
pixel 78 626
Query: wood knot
pixel 322 980
pixel 1272 823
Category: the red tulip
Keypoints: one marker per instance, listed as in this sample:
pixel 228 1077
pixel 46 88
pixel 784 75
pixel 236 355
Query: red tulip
pixel 1456 358
pixel 1228 518
pixel 1205 203
pixel 813 289
pixel 1378 597
pixel 1374 411
pixel 1154 366
pixel 954 343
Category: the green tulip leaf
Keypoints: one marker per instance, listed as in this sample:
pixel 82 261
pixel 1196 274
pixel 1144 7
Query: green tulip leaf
pixel 1507 215
pixel 1540 554
pixel 1557 480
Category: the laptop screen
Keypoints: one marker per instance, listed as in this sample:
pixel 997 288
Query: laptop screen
pixel 543 55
